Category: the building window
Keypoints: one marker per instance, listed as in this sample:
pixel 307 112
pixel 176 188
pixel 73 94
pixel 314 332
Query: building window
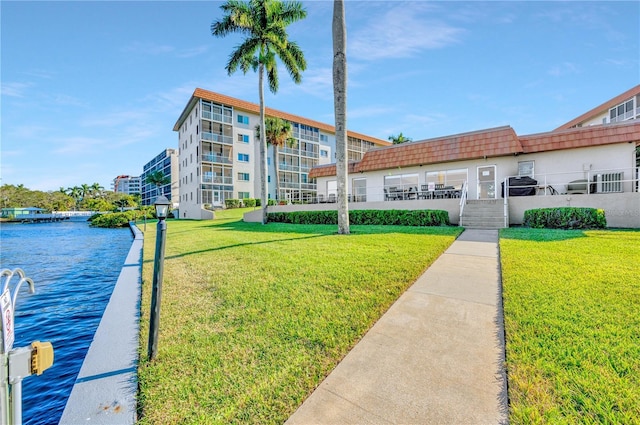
pixel 402 181
pixel 243 177
pixel 243 195
pixel 243 157
pixel 454 178
pixel 622 112
pixel 243 138
pixel 324 138
pixel 525 168
pixel 242 119
pixel 324 153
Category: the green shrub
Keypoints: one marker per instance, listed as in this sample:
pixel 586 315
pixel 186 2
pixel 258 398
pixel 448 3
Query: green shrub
pixel 232 203
pixel 271 202
pixel 565 218
pixel 249 202
pixel 366 217
pixel 117 219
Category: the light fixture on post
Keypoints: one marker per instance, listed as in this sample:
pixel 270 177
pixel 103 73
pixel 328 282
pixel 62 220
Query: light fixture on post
pixel 162 210
pixel 162 207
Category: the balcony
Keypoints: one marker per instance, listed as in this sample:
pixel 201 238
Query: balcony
pixel 288 167
pixel 227 140
pixel 216 117
pixel 219 159
pixel 290 151
pixel 217 179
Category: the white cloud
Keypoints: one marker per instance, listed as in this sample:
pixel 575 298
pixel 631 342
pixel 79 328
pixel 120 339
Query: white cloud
pixel 565 68
pixel 192 52
pixel 369 111
pixel 402 31
pixel 316 82
pixel 14 89
pixel 77 145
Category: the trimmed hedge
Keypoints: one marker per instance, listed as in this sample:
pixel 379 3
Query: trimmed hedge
pixel 565 218
pixel 366 217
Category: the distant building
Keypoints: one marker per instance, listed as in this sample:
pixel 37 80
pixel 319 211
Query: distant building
pixel 166 162
pixel 623 107
pixel 219 156
pixel 126 184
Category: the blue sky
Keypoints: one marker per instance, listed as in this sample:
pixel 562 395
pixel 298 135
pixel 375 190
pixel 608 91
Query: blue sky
pixel 92 89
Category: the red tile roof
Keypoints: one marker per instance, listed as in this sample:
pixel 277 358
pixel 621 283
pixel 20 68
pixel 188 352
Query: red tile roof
pixel 501 141
pixel 627 131
pixel 601 108
pixel 255 108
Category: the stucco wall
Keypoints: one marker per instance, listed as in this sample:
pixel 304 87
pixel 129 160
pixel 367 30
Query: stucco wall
pixel 621 209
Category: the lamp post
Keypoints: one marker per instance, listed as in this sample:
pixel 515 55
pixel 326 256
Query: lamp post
pixel 162 209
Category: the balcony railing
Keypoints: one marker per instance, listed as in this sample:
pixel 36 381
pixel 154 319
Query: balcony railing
pixel 309 154
pixel 227 140
pixel 291 151
pixel 216 117
pixel 288 167
pixel 212 157
pixel 217 180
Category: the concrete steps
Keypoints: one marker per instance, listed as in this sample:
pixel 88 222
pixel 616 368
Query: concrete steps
pixel 483 214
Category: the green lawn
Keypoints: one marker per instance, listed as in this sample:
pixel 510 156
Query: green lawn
pixel 572 321
pixel 254 317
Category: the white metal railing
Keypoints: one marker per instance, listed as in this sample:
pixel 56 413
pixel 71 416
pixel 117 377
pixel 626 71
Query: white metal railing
pixel 505 202
pixel 212 157
pixel 610 180
pixel 227 140
pixel 463 200
pixel 217 179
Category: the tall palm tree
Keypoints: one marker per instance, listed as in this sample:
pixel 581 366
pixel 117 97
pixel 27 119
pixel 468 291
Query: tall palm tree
pixel 158 179
pixel 339 31
pixel 264 25
pixel 400 138
pixel 278 133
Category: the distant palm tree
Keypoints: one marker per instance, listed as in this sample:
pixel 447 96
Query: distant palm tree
pixel 400 138
pixel 96 190
pixel 339 32
pixel 158 179
pixel 278 133
pixel 76 193
pixel 264 24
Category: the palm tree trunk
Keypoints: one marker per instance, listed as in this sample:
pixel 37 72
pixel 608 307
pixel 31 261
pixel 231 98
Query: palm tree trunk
pixel 263 147
pixel 275 155
pixel 340 107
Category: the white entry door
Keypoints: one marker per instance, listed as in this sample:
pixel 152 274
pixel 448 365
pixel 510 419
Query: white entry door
pixel 487 182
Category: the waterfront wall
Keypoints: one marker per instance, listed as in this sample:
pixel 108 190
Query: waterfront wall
pixel 106 387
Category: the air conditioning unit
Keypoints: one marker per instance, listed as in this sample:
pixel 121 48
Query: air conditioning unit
pixel 609 182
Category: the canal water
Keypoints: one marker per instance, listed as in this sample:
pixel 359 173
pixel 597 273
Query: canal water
pixel 74 268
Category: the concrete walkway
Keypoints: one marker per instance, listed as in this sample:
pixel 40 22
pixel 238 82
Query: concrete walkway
pixel 437 355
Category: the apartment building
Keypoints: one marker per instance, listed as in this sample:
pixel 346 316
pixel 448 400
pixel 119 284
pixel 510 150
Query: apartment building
pixel 623 107
pixel 219 153
pixel 126 184
pixel 166 162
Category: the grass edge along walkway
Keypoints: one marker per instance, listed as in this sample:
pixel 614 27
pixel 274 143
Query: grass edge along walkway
pixel 571 303
pixel 254 317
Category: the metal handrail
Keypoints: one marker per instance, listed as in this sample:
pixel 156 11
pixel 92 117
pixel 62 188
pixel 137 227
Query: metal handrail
pixel 463 200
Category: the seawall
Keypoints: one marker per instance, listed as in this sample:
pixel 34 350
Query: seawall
pixel 106 387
